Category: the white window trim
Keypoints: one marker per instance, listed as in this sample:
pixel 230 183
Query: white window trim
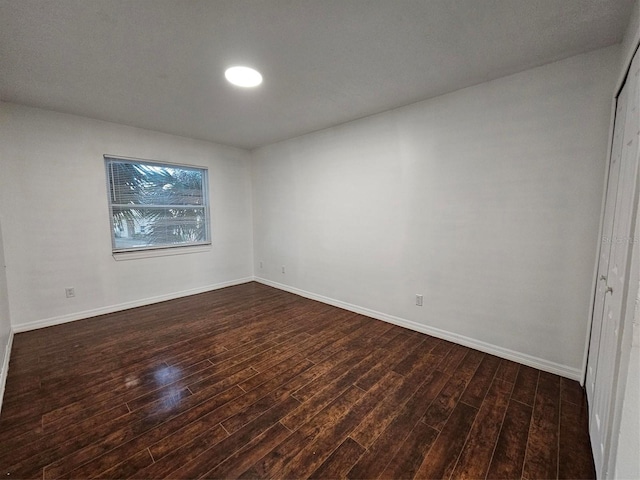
pixel 161 251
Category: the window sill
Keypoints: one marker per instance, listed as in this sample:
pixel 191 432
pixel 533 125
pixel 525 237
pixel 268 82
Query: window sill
pixel 160 252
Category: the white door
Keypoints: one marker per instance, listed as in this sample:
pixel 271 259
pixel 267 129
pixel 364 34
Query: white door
pixel 611 290
pixel 605 243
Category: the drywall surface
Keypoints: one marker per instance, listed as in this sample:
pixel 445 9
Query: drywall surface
pixel 625 439
pixel 5 322
pixel 485 201
pixel 629 42
pixel 56 225
pixel 627 461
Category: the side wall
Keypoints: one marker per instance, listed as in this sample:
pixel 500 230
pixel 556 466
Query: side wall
pixel 5 323
pixel 629 42
pixel 625 442
pixel 624 461
pixel 485 201
pixel 55 219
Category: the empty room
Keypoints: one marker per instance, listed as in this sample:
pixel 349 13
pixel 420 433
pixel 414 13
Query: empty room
pixel 319 239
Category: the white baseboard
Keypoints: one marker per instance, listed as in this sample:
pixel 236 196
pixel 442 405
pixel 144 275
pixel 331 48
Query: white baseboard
pixel 5 367
pixel 523 358
pixel 48 322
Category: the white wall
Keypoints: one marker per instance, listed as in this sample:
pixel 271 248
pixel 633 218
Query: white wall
pixel 486 201
pixel 629 42
pixel 625 441
pixel 624 461
pixel 5 323
pixel 56 226
pixel 627 462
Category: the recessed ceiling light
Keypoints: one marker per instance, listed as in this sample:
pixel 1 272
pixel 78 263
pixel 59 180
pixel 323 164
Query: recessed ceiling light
pixel 243 76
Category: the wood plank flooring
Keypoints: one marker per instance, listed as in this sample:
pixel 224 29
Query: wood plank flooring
pixel 253 382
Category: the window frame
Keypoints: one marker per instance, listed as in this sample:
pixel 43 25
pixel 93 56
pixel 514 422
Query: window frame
pixel 164 249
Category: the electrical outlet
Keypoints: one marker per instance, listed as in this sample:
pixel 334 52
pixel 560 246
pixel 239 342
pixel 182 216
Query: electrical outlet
pixel 419 299
pixel 70 292
pixel 282 268
pixel 260 264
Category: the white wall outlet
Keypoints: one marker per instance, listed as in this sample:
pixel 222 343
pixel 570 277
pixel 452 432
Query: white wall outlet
pixel 70 292
pixel 260 264
pixel 419 300
pixel 282 268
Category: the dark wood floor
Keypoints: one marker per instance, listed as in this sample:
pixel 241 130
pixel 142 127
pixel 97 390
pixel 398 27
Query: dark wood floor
pixel 253 382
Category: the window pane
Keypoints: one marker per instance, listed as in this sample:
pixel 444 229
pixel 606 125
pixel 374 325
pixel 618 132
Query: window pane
pixel 143 184
pixel 156 205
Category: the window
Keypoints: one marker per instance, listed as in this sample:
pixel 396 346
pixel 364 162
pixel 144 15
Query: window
pixel 156 205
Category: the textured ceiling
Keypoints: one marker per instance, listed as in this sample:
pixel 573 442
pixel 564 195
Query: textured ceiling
pixel 159 64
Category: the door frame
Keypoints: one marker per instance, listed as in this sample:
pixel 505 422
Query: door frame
pixel 631 294
pixel 594 277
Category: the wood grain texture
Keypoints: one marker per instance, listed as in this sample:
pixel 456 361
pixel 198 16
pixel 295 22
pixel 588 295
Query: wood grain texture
pixel 477 452
pixel 339 462
pixel 442 457
pixel 541 459
pixel 575 459
pixel 253 382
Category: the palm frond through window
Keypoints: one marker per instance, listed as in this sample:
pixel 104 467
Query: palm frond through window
pixel 156 205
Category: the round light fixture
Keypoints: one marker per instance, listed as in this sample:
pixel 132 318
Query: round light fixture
pixel 243 76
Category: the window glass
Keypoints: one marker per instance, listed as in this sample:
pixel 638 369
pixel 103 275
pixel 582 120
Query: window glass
pixel 156 205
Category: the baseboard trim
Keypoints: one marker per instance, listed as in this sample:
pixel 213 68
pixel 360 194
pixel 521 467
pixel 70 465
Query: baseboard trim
pixel 523 358
pixel 5 367
pixel 49 322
